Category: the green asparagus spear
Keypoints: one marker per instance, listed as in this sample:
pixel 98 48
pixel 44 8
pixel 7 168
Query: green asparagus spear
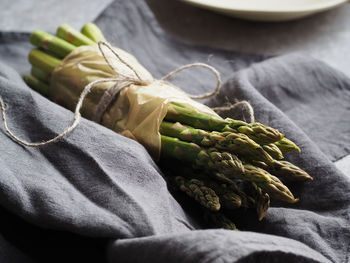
pixel 258 132
pixel 73 36
pixel 177 112
pixel 274 187
pixel 208 158
pixel 273 150
pixel 36 84
pixel 262 201
pixel 229 199
pixel 283 192
pixel 197 190
pixel 40 74
pixel 224 179
pixel 43 60
pixel 46 41
pixel 285 170
pixel 289 171
pixel 286 145
pixel 219 220
pixel 233 142
pixel 246 200
pixel 93 32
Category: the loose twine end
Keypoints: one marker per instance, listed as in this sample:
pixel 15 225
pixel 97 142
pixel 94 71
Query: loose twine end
pixel 243 103
pixel 122 81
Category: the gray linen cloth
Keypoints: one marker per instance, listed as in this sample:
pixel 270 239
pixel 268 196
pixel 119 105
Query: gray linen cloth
pixel 97 193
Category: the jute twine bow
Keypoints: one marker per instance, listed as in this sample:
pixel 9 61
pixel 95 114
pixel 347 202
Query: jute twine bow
pixel 121 82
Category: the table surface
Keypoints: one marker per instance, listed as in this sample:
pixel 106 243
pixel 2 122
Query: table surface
pixel 325 36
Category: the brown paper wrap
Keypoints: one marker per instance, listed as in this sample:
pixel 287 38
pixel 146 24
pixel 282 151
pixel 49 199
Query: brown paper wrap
pixel 136 112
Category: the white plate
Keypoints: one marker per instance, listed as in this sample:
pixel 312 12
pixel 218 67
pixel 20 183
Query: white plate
pixel 267 10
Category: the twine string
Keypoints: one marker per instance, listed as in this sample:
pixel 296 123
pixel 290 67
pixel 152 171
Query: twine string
pixel 243 103
pixel 202 96
pixel 115 53
pixel 121 82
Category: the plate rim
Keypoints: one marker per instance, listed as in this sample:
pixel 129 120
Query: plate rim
pixel 219 5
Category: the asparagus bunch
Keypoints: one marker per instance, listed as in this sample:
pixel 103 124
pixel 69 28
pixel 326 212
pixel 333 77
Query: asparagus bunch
pixel 225 153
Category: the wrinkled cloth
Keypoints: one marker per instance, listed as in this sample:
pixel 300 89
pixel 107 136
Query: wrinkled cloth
pixel 97 195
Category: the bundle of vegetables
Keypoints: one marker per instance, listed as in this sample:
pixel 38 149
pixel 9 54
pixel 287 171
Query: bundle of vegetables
pixel 226 164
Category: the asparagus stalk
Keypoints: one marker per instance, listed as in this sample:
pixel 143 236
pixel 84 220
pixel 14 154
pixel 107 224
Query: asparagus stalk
pixel 46 41
pixel 40 74
pixel 207 158
pixel 197 190
pixel 286 145
pixel 179 112
pixel 43 60
pixel 285 170
pixel 274 187
pixel 93 32
pixel 262 201
pixel 219 220
pixel 73 36
pixel 289 171
pixel 256 131
pixel 36 84
pixel 245 202
pixel 187 133
pixel 226 193
pixel 222 178
pixel 233 142
pixel 273 150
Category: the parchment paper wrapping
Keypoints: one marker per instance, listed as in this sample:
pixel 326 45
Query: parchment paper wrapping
pixel 136 112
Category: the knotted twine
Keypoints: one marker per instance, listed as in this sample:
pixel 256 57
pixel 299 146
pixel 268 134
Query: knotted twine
pixel 121 82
